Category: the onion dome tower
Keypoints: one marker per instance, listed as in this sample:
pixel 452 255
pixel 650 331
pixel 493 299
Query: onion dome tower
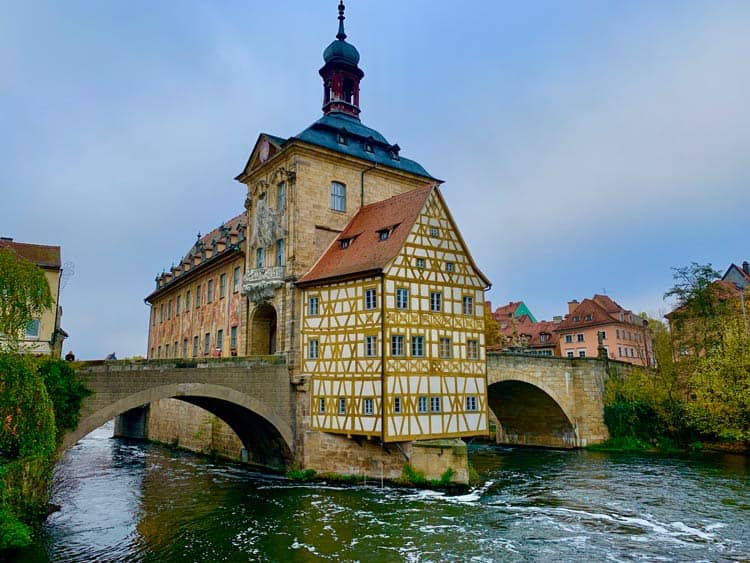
pixel 340 74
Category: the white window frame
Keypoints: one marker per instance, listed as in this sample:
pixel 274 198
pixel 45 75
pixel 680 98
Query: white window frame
pixel 417 346
pixel 313 349
pixel 422 404
pixel 371 299
pixel 371 346
pixel 397 346
pixel 402 298
pixel 436 301
pixel 338 196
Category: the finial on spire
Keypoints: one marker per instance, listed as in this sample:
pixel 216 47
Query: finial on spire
pixel 341 35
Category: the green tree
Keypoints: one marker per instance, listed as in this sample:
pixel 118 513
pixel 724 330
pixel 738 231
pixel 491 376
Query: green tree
pixel 24 295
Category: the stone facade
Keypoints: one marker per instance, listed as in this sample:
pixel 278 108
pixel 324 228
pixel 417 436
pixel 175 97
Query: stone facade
pixel 554 402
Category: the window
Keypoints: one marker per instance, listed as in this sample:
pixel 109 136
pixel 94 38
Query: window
pixel 446 348
pixel 220 339
pixel 397 345
pixel 32 328
pixel 313 348
pixel 570 354
pixel 383 234
pixel 587 317
pixel 233 338
pixel 576 318
pixel 184 348
pixel 468 305
pixel 312 306
pixel 153 354
pixel 260 257
pixel 371 346
pixel 579 337
pixel 210 291
pixel 222 286
pixel 619 351
pixel 370 299
pixel 402 298
pixel 161 313
pixel 281 197
pixel 187 300
pixel 338 196
pixel 344 243
pixel 568 338
pixel 420 262
pixel 236 280
pixel 178 306
pixel 471 403
pixel 543 337
pixel 207 344
pixel 368 146
pixel 435 403
pixel 169 310
pixel 618 333
pixel 396 405
pixel 280 252
pixel 434 232
pixel 601 334
pixel 422 406
pixel 198 296
pixel 158 352
pixel 436 301
pixel 342 405
pixel 449 266
pixel 195 346
pixel 321 405
pixel 472 349
pixel 417 346
pixel 581 353
pixel 153 318
pixel 174 350
pixel 367 407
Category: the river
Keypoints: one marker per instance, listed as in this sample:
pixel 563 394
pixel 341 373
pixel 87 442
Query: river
pixel 126 501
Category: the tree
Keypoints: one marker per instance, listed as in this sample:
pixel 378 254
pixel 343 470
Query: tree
pixel 701 304
pixel 24 295
pixel 491 328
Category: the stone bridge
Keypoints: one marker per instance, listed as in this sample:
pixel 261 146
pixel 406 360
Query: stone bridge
pixel 252 395
pixel 548 401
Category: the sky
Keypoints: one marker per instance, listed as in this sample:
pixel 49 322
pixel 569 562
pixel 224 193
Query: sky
pixel 586 147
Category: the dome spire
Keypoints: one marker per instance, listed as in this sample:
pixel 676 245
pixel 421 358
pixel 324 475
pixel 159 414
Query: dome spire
pixel 341 35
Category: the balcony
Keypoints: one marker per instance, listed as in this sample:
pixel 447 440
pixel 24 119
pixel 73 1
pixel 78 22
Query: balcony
pixel 259 284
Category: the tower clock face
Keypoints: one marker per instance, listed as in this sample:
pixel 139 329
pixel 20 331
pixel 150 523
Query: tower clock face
pixel 265 148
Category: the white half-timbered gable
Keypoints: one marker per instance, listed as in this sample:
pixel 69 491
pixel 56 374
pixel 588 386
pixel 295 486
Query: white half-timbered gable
pixel 393 326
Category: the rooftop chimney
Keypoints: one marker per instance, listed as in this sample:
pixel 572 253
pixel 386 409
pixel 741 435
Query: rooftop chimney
pixel 745 267
pixel 572 305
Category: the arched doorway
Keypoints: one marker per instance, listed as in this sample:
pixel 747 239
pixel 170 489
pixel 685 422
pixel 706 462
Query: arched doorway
pixel 263 331
pixel 530 417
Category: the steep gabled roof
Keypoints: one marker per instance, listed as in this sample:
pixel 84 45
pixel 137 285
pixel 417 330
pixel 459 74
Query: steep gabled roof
pixel 739 270
pixel 506 311
pixel 598 310
pixel 42 255
pixel 365 251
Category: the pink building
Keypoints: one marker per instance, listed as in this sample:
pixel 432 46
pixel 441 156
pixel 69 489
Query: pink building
pixel 625 335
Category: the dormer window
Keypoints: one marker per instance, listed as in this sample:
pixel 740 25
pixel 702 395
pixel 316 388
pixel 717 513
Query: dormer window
pixel 383 234
pixel 588 317
pixel 543 337
pixel 576 319
pixel 341 138
pixel 394 152
pixel 368 145
pixel 344 243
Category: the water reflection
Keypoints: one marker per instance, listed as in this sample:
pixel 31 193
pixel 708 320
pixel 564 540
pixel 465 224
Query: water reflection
pixel 126 501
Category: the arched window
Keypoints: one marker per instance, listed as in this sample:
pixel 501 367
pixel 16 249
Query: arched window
pixel 338 196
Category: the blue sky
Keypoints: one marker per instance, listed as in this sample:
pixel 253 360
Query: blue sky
pixel 586 146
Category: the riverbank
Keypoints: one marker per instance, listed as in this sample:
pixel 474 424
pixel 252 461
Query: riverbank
pixel 667 446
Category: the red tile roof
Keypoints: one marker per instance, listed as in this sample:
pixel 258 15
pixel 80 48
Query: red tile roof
pixel 598 310
pixel 366 252
pixel 40 254
pixel 506 311
pixel 532 332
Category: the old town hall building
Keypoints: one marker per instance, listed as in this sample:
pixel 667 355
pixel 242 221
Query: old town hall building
pixel 351 267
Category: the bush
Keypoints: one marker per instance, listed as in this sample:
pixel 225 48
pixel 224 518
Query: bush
pixel 412 476
pixel 66 391
pixel 27 423
pixel 301 474
pixel 13 532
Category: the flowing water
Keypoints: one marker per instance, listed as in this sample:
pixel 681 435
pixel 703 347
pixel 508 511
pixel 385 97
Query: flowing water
pixel 125 501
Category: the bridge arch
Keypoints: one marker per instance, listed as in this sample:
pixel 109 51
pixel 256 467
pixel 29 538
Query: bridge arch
pixel 253 421
pixel 530 415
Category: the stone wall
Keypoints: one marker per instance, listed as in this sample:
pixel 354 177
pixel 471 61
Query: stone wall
pixel 171 421
pixel 576 385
